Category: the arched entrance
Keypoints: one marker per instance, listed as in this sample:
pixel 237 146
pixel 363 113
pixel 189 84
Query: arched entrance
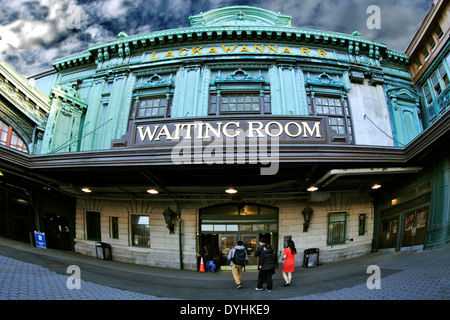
pixel 221 226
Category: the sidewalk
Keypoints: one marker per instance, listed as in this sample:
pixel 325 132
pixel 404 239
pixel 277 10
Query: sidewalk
pixel 41 274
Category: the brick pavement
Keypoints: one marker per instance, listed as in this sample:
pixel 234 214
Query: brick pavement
pixel 419 275
pixel 425 275
pixel 25 281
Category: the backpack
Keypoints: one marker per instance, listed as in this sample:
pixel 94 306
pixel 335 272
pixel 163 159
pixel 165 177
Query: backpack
pixel 239 257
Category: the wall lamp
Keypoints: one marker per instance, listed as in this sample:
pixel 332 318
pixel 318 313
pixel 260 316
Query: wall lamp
pixel 307 215
pixel 169 215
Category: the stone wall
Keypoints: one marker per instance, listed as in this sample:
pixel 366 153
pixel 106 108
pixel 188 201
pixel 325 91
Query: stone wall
pixel 164 247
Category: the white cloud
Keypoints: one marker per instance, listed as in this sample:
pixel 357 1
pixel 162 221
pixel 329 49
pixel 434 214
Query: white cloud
pixel 399 18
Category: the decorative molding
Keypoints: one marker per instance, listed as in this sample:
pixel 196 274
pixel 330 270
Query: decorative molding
pixel 239 75
pixel 240 15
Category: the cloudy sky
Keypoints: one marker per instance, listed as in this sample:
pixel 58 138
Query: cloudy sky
pixel 35 33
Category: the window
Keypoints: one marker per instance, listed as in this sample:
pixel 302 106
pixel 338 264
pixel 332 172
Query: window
pixel 435 83
pixel 431 44
pixel 114 228
pixel 326 97
pixel 153 96
pixel 140 230
pixel 93 226
pixel 153 107
pixel 240 103
pixel 439 32
pixel 337 224
pixel 427 93
pixel 443 75
pixel 239 93
pixel 439 80
pixel 9 138
pixel 418 64
pixel 425 53
pixel 435 86
pixel 338 113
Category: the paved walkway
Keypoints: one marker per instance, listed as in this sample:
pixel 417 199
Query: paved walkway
pixel 25 281
pixel 28 273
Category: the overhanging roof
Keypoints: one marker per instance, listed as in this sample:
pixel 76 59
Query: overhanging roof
pixel 128 173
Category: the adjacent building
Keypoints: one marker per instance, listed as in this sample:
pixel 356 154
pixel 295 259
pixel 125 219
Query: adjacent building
pixel 175 144
pixel 416 212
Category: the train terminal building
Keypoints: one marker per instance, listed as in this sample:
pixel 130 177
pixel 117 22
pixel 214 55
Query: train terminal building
pixel 175 144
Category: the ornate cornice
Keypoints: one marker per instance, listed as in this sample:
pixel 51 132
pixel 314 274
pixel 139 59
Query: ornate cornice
pixel 208 27
pixel 22 93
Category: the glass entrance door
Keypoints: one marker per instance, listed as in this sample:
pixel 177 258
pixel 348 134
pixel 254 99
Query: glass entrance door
pixel 250 244
pixel 226 242
pixel 223 225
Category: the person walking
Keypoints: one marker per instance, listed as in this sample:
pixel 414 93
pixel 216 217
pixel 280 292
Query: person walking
pixel 267 263
pixel 289 254
pixel 262 244
pixel 238 257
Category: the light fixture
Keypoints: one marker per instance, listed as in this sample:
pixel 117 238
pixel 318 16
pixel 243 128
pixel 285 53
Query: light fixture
pixel 376 186
pixel 1 173
pixel 307 215
pixel 231 191
pixel 152 191
pixel 312 189
pixel 87 190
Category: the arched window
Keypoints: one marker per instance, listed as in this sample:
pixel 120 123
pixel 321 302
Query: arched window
pixel 9 138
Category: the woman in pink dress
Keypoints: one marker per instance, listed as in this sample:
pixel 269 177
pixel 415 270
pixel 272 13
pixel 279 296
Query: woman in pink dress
pixel 289 254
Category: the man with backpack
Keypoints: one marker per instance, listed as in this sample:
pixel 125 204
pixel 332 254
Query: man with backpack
pixel 238 257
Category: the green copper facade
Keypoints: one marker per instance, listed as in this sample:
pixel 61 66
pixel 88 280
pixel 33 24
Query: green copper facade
pixel 293 64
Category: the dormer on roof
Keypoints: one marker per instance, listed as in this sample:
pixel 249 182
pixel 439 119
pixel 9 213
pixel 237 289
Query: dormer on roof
pixel 240 16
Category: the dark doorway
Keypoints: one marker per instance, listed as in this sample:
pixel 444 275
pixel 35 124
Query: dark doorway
pixel 21 220
pixel 389 233
pixel 210 251
pixel 57 231
pixel 415 226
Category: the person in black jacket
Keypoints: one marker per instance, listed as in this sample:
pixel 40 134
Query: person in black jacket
pixel 262 245
pixel 267 263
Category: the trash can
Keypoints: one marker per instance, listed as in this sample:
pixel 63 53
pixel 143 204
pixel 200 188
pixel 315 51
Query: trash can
pixel 103 251
pixel 311 258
